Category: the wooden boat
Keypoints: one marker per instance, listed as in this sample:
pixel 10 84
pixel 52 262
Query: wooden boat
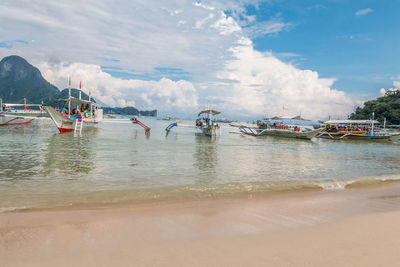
pixel 86 114
pixel 21 110
pixel 207 124
pixel 68 122
pixel 282 127
pixel 297 132
pixel 357 130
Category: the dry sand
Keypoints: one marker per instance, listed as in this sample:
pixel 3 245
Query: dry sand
pixel 353 227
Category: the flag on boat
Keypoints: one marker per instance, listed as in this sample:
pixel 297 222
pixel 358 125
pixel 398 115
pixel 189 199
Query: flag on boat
pixel 80 86
pixel 69 83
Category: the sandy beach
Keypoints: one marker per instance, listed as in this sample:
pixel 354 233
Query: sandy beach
pixel 352 227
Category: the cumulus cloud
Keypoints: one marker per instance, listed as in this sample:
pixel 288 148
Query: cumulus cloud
pixel 199 38
pixel 164 94
pixel 264 85
pixel 396 87
pixel 363 12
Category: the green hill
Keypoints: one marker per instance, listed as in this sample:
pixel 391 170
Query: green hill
pixel 19 80
pixel 387 106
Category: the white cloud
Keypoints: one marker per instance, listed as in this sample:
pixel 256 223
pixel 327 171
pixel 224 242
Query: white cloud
pixel 264 85
pixel 165 95
pixel 76 38
pixel 363 12
pixel 264 28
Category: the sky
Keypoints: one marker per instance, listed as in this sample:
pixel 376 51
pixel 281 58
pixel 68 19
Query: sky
pixel 247 58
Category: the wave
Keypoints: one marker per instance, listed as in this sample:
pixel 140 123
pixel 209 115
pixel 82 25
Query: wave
pixel 187 193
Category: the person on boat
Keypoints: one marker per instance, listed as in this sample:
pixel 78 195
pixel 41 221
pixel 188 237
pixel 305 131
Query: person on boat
pixel 63 111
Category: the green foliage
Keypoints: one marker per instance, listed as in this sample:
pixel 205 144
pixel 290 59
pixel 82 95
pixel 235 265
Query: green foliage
pixel 387 106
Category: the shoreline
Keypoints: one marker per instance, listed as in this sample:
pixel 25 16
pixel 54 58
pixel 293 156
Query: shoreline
pixel 186 193
pixel 281 229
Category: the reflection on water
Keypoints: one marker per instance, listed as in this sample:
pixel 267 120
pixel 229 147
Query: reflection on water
pixel 68 155
pixel 19 157
pixel 205 157
pixel 37 163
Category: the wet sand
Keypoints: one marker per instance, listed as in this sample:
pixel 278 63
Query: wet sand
pixel 352 227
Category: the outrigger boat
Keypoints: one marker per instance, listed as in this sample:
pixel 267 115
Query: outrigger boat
pixel 85 113
pixel 357 130
pixel 207 124
pixel 21 110
pixel 267 128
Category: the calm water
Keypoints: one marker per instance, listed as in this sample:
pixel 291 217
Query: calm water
pixel 117 162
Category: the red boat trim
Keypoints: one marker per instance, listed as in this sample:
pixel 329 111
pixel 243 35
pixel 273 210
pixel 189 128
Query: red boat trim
pixel 65 130
pixel 15 123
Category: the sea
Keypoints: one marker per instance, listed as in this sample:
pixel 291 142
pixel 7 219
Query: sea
pixel 117 163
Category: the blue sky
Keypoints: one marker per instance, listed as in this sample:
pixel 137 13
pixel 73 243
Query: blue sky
pixel 362 51
pixel 250 58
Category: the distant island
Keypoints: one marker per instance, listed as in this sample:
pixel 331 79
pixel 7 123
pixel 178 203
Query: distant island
pixel 130 111
pixel 19 79
pixel 387 106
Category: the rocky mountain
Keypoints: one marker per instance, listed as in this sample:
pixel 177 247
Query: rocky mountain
pixel 19 80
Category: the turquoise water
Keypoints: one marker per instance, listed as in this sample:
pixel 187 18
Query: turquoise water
pixel 117 162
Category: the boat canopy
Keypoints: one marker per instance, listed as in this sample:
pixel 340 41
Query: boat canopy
pixel 209 111
pixel 351 122
pixel 21 105
pixel 287 118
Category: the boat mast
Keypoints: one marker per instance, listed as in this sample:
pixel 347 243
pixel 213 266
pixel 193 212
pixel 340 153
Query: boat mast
pixel 24 102
pixel 1 104
pixel 384 125
pixel 373 118
pixel 69 96
pixel 90 100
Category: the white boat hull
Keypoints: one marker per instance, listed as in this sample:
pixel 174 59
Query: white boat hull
pixel 280 132
pixel 389 137
pixel 66 124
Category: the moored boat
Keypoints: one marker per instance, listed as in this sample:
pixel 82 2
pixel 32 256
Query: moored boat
pixel 272 128
pixel 357 130
pixel 207 124
pixel 68 122
pixel 85 114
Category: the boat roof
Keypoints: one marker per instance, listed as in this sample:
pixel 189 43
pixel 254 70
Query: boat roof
pixel 21 105
pixel 351 121
pixel 209 111
pixel 287 118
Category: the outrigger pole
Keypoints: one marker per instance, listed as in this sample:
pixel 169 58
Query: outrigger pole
pixel 136 121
